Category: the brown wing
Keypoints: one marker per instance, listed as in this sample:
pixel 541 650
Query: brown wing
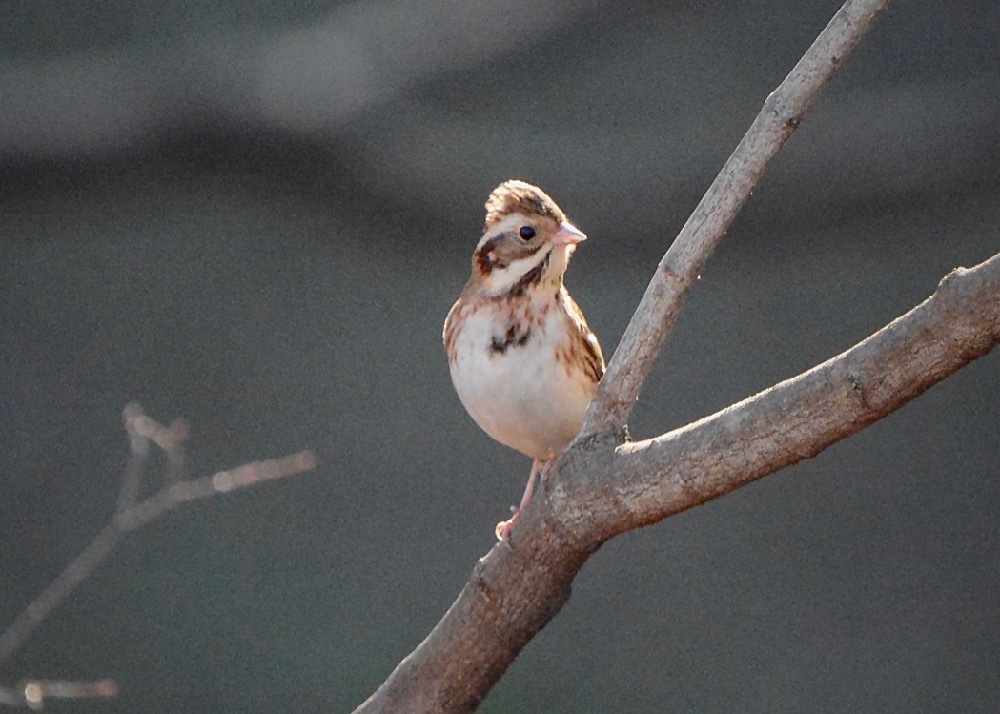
pixel 584 340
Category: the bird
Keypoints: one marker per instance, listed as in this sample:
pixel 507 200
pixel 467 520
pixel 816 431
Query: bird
pixel 522 358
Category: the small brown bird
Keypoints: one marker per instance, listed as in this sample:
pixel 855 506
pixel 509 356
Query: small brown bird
pixel 523 361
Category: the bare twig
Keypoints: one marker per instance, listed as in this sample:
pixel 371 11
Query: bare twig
pixel 132 513
pixel 32 693
pixel 781 115
pixel 135 468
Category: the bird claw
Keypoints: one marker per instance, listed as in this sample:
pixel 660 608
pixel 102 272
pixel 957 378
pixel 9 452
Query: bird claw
pixel 504 528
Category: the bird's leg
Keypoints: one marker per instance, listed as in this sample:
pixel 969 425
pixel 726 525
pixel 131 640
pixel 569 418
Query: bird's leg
pixel 544 468
pixel 537 467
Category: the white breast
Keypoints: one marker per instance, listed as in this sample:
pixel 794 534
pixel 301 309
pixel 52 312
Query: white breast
pixel 521 395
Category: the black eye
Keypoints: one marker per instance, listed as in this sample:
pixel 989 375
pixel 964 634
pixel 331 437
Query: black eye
pixel 526 232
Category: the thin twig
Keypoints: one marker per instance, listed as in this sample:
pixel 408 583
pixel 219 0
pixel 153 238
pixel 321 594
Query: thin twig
pixel 170 497
pixel 56 591
pixel 133 514
pixel 781 115
pixel 32 693
pixel 135 468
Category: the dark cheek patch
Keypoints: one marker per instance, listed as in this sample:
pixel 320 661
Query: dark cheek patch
pixel 487 259
pixel 501 251
pixel 531 278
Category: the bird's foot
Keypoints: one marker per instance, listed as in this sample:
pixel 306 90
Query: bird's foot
pixel 504 528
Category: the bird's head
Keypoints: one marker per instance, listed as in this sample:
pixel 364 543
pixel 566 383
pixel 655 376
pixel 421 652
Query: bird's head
pixel 527 241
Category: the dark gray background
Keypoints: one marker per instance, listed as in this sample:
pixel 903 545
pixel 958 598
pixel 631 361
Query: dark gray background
pixel 255 220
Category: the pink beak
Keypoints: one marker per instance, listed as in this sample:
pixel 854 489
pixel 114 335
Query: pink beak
pixel 568 235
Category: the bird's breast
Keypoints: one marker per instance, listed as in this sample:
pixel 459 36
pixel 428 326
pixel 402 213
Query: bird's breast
pixel 510 374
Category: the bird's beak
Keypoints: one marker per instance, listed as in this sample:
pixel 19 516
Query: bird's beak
pixel 568 234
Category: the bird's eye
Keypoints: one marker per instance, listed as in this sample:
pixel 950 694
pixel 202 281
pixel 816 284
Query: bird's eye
pixel 526 232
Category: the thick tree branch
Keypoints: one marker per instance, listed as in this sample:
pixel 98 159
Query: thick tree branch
pixel 602 487
pixel 781 115
pixel 795 419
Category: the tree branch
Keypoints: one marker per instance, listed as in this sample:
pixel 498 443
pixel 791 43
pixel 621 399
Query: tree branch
pixel 781 115
pixel 602 487
pixel 793 420
pixel 133 514
pixel 32 693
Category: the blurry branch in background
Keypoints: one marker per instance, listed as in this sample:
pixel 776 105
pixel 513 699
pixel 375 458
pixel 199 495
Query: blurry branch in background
pixel 132 513
pixel 308 80
pixel 32 693
pixel 605 485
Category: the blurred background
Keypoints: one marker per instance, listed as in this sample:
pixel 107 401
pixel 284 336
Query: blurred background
pixel 256 217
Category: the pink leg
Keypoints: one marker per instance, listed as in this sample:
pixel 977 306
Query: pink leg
pixel 538 467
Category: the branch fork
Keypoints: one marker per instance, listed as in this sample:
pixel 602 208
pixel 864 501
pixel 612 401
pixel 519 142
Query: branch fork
pixel 604 485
